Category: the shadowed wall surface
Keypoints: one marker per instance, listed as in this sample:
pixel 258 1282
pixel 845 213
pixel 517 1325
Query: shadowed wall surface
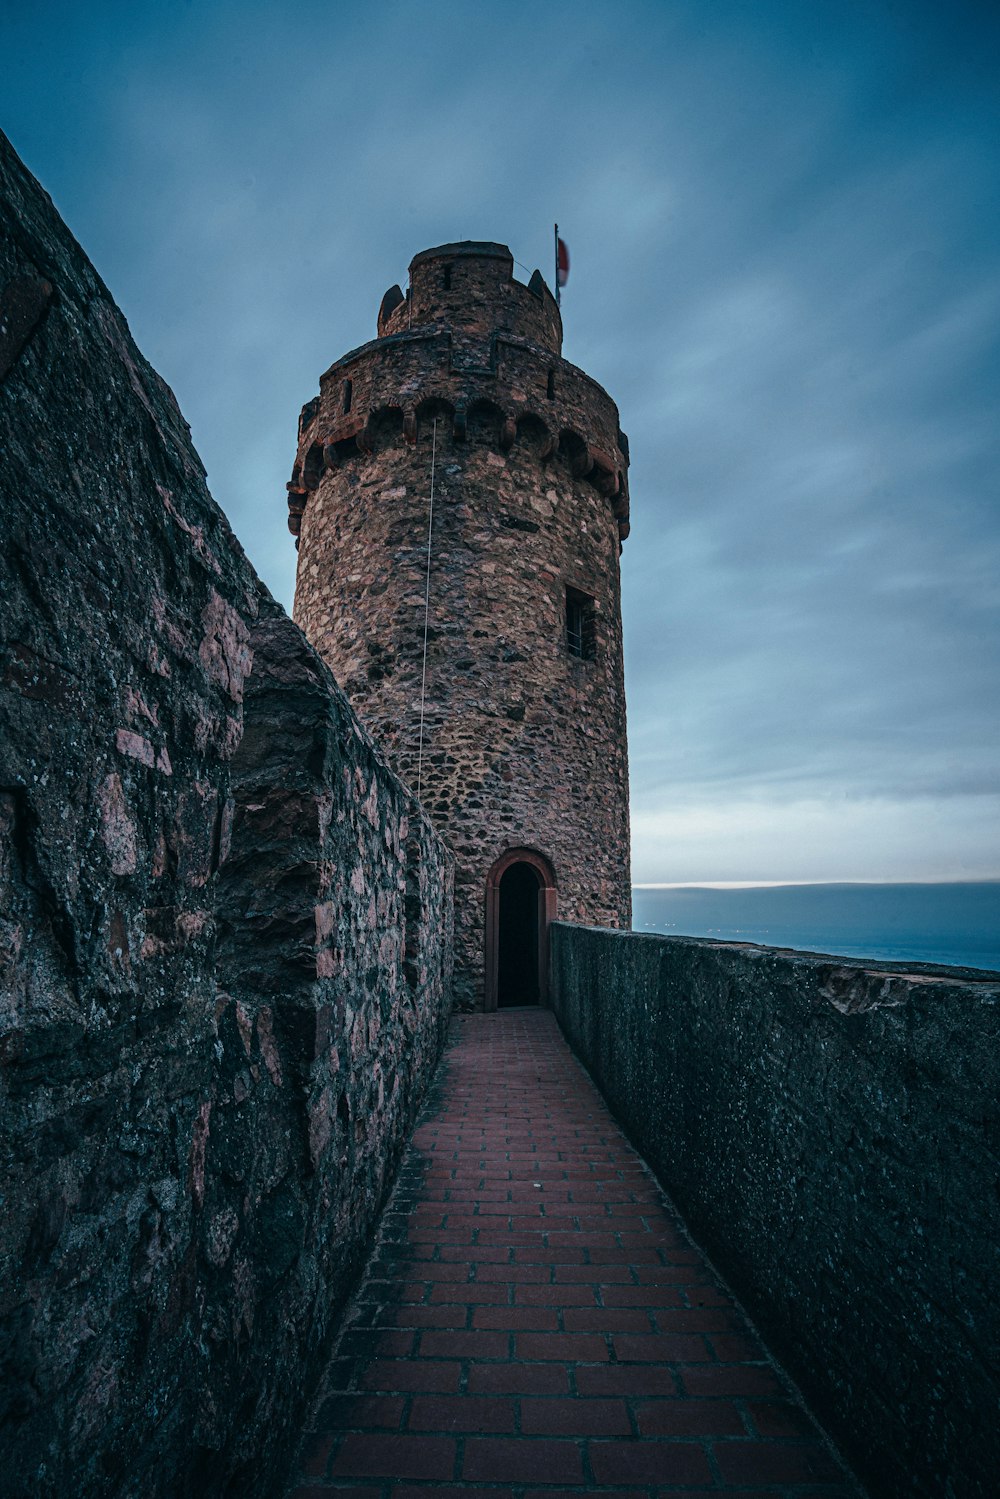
pixel 224 934
pixel 830 1133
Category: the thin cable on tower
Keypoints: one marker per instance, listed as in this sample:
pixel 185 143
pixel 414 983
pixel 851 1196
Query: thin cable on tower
pixel 427 605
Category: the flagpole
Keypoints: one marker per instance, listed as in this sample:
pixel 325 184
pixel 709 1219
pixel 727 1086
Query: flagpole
pixel 558 299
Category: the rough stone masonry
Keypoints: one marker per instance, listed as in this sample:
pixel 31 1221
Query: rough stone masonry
pixel 224 935
pixel 830 1130
pixel 523 732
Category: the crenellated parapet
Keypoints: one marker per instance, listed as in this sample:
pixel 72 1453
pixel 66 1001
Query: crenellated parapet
pixel 471 288
pixel 477 351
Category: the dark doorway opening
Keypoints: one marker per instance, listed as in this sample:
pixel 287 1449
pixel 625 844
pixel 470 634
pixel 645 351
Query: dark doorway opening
pixel 521 903
pixel 517 937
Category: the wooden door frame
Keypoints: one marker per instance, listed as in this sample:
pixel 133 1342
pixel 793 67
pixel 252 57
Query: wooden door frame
pixel 547 904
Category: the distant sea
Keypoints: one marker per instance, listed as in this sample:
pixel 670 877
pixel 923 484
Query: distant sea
pixel 952 923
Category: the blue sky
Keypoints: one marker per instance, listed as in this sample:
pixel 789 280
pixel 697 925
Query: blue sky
pixel 783 221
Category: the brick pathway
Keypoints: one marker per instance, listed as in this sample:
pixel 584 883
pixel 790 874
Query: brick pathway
pixel 536 1323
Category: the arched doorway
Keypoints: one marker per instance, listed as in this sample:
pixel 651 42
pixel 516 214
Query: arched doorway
pixel 520 903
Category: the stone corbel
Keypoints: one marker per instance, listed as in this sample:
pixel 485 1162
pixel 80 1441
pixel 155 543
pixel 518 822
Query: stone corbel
pixel 297 497
pixel 508 433
pixel 606 478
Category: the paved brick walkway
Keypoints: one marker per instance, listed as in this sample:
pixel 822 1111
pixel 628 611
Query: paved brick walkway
pixel 536 1323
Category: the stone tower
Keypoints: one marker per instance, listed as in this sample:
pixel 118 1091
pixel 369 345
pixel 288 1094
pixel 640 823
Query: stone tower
pixel 461 490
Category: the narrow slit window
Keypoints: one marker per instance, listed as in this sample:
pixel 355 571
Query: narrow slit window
pixel 580 625
pixel 550 386
pixel 447 278
pixel 348 395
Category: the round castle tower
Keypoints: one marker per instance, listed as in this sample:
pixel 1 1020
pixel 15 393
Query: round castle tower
pixel 519 755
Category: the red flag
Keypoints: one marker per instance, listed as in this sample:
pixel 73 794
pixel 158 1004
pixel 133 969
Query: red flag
pixel 562 262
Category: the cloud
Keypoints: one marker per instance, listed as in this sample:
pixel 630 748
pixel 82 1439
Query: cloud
pixel 821 839
pixel 783 227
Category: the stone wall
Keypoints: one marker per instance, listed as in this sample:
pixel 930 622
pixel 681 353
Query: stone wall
pixel 224 954
pixel 830 1132
pixel 524 744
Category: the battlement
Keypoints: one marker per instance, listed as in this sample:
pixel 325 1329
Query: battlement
pixel 470 288
pixel 479 352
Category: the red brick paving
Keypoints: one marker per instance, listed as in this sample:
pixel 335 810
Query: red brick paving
pixel 535 1323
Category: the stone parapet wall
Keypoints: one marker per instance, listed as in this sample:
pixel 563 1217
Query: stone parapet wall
pixel 829 1130
pixel 224 934
pixel 333 972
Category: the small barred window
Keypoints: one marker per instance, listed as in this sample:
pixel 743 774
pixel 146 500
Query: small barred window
pixel 580 625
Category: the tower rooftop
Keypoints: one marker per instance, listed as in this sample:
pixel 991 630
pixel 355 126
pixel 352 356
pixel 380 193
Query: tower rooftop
pixel 481 249
pixel 469 286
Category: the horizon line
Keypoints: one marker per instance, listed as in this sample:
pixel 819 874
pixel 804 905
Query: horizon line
pixel 785 884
